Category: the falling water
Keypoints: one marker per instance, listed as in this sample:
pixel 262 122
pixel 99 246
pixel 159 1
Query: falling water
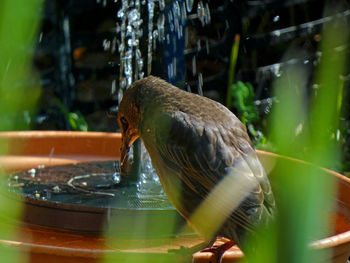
pixel 200 84
pixel 163 24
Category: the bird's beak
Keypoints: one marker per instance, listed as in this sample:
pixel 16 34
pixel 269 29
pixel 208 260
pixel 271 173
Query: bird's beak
pixel 128 139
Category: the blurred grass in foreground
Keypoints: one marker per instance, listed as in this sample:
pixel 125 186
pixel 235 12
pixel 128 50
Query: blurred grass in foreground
pixel 303 129
pixel 19 91
pixel 300 128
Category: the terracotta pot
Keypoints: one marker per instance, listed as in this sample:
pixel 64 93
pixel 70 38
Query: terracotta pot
pixel 29 149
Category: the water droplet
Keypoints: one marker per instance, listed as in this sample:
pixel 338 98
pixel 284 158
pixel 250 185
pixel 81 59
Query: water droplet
pixel 276 19
pixel 122 85
pixel 176 10
pixel 116 178
pixel 160 27
pixel 276 69
pixel 207 46
pixel 337 136
pixel 32 172
pixel 134 17
pixel 161 5
pixel 40 37
pixel 189 5
pixel 183 13
pixel 120 95
pixel 155 37
pixel 200 84
pixel 132 42
pixel 170 71
pixel 140 64
pixel 207 17
pixel 121 47
pixel 106 44
pixel 56 189
pixel 298 129
pixel 194 63
pixel 113 87
pixel 201 12
pixel 199 45
pixel 120 13
pixel 276 33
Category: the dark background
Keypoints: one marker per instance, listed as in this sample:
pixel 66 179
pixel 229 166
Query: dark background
pixel 76 73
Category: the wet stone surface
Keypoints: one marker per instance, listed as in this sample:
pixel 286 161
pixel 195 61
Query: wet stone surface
pixel 95 184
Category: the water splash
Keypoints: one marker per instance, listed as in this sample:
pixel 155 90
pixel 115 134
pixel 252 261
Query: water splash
pixel 163 23
pixel 149 181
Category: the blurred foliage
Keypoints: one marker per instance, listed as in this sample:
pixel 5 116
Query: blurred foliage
pixel 303 127
pixel 242 100
pixel 244 97
pixel 75 119
pixel 304 193
pixel 19 91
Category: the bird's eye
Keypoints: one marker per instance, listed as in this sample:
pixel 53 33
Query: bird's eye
pixel 124 123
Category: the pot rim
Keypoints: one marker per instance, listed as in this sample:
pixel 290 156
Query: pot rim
pixel 328 242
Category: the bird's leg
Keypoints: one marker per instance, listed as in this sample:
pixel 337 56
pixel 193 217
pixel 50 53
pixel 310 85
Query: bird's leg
pixel 217 249
pixel 193 249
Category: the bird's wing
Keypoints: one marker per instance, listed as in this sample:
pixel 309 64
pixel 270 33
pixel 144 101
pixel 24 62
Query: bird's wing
pixel 202 154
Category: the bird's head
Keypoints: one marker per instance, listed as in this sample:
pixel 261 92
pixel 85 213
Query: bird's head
pixel 141 98
pixel 129 121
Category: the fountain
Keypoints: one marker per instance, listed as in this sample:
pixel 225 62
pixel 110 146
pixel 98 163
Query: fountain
pixel 87 197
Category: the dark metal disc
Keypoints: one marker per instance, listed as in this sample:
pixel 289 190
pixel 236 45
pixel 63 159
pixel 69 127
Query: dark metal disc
pixel 85 197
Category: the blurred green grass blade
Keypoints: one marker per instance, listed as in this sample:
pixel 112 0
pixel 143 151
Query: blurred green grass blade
pixel 304 193
pixel 231 72
pixel 290 112
pixel 19 91
pixel 325 105
pixel 18 27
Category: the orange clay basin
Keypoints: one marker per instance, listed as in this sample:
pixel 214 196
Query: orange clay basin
pixel 73 239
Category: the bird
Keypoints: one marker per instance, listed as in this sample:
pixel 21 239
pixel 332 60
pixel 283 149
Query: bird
pixel 203 156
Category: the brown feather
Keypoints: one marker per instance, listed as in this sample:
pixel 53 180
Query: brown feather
pixel 195 142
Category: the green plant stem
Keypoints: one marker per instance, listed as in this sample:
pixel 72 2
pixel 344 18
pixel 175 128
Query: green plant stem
pixel 231 73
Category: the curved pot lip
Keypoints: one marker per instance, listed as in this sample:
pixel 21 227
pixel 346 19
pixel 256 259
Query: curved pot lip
pixel 332 241
pixel 328 242
pixel 275 155
pixel 52 133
